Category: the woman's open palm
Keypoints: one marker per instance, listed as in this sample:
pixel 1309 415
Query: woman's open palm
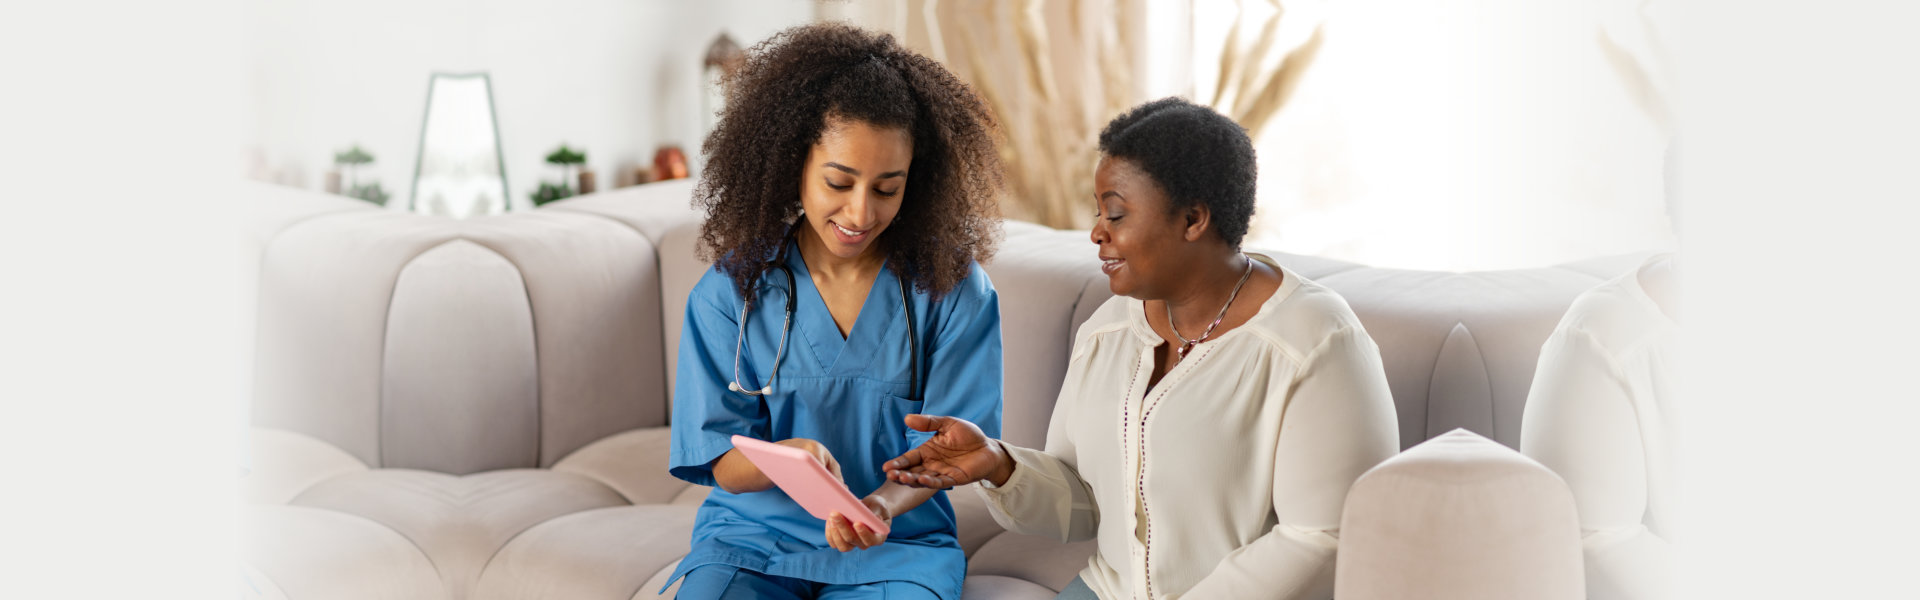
pixel 958 454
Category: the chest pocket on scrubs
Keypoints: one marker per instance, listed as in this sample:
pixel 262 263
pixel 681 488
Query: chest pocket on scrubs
pixel 893 416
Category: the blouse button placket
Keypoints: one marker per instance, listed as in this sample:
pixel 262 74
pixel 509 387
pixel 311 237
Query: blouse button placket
pixel 1133 439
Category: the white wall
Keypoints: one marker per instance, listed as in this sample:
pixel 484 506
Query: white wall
pixel 1458 135
pixel 617 78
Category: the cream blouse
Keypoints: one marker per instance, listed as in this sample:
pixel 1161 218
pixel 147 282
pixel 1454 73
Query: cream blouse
pixel 1598 415
pixel 1226 479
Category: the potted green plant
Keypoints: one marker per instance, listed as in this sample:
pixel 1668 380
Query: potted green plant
pixel 350 161
pixel 550 191
pixel 371 192
pixel 567 159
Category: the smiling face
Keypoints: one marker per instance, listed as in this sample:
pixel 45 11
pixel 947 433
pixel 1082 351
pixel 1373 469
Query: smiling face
pixel 1140 238
pixel 852 184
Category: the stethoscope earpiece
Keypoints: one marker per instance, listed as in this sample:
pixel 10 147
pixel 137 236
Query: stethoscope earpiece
pixel 735 386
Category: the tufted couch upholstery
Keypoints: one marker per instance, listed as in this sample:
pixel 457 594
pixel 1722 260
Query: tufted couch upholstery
pixel 477 408
pixel 1459 517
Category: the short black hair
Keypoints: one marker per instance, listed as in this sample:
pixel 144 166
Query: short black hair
pixel 1195 154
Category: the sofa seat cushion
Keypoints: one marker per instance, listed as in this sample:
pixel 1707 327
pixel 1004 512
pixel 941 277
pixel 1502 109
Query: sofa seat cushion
pixel 996 587
pixel 633 463
pixel 314 554
pixel 460 522
pixel 602 554
pixel 1034 558
pixel 281 464
pixel 973 520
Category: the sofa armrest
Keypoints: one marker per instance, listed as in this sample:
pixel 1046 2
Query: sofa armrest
pixel 1459 516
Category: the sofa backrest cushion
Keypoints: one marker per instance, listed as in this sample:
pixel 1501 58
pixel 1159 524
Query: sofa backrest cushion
pixel 500 342
pixel 1460 348
pixel 458 345
pixel 1049 283
pixel 664 213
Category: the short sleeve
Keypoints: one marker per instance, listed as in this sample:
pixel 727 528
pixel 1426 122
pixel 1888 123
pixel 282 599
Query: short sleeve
pixel 706 415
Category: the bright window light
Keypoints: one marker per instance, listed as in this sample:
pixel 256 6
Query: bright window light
pixel 1453 135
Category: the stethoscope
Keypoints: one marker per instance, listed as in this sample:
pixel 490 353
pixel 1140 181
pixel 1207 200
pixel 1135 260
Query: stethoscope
pixel 913 346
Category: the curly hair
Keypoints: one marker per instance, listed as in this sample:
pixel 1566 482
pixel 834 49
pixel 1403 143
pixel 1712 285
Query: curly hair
pixel 1195 154
pixel 778 105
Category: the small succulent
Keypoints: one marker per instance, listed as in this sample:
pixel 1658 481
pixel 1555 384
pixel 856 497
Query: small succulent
pixel 550 191
pixel 371 192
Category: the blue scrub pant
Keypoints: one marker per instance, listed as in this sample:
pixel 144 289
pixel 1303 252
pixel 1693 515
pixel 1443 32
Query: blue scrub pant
pixel 1077 590
pixel 727 582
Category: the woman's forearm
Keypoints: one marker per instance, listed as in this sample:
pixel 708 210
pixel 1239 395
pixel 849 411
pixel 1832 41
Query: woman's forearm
pixel 901 498
pixel 735 474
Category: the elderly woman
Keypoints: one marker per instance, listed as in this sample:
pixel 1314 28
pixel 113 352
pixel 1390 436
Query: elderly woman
pixel 1214 412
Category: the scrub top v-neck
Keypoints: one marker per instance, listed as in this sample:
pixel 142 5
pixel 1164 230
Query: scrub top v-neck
pixel 851 395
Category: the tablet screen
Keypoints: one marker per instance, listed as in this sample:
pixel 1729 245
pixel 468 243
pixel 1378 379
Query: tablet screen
pixel 806 481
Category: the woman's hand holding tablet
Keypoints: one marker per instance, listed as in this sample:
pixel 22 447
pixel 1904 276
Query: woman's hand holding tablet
pixel 807 481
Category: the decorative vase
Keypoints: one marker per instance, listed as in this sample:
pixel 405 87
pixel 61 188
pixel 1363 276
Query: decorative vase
pixel 669 163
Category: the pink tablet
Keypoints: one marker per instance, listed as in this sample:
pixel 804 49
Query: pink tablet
pixel 807 481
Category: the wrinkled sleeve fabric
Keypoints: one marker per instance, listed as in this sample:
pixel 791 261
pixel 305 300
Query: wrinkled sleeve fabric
pixel 1580 422
pixel 706 415
pixel 965 373
pixel 1339 422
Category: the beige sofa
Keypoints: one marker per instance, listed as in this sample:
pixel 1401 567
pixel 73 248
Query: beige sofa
pixel 478 408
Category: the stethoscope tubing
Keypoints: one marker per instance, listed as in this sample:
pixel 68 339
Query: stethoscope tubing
pixel 906 306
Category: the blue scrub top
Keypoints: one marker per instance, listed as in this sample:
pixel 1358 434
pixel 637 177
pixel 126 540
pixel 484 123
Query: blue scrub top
pixel 849 394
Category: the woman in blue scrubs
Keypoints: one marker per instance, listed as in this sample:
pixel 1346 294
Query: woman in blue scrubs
pixel 849 191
